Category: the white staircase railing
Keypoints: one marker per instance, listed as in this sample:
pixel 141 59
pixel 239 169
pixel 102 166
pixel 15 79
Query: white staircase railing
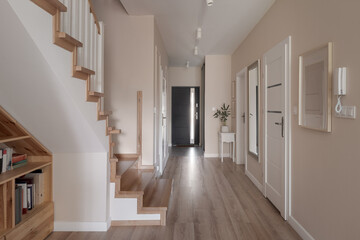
pixel 80 22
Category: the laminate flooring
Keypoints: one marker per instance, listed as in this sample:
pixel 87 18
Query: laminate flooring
pixel 210 200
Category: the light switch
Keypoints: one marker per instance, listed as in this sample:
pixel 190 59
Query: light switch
pixel 347 112
pixel 351 113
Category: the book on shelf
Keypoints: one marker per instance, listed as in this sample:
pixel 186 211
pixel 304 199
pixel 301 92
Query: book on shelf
pixel 19 164
pixel 30 196
pixel 18 204
pixel 18 157
pixel 38 181
pixel 9 152
pixel 1 160
pixel 4 157
pixel 24 196
pixel 10 160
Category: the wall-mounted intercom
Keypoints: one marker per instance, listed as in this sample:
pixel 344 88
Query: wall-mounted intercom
pixel 340 79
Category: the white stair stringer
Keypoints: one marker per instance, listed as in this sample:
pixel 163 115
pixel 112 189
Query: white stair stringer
pixel 38 24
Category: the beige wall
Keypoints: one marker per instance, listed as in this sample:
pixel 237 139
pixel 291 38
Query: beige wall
pixel 187 77
pixel 217 92
pixel 181 77
pixel 129 67
pixel 325 166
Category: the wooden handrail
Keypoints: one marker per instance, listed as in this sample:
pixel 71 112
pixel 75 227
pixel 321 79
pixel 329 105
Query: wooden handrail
pixel 95 17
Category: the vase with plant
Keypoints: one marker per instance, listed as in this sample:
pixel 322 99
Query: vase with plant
pixel 223 113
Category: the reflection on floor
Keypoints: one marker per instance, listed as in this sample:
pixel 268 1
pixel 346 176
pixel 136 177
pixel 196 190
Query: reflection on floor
pixel 210 200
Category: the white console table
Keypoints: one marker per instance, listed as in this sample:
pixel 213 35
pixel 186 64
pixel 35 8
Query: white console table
pixel 227 137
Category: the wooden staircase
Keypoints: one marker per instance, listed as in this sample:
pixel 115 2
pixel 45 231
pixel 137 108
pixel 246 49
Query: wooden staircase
pixel 132 179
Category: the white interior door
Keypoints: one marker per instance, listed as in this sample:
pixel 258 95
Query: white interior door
pixel 163 139
pixel 276 76
pixel 240 117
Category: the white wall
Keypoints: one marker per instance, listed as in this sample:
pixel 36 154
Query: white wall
pixel 181 77
pixel 81 190
pixel 38 98
pixel 217 92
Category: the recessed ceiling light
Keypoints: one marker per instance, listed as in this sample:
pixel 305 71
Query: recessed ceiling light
pixel 196 51
pixel 187 64
pixel 209 2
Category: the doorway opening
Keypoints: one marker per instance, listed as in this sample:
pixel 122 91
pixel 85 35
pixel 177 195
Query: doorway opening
pixel 185 117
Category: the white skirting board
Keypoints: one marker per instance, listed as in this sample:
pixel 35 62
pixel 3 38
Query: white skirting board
pixel 300 229
pixel 254 180
pixel 82 226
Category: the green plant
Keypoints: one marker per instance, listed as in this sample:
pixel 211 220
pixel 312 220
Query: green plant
pixel 223 113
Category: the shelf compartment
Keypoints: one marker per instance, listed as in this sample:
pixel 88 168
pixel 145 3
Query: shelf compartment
pixel 28 168
pixel 36 224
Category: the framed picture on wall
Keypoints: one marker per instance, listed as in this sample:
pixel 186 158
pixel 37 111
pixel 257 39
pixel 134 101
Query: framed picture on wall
pixel 315 80
pixel 233 108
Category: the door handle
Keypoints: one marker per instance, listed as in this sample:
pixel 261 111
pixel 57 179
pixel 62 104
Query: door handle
pixel 243 117
pixel 282 126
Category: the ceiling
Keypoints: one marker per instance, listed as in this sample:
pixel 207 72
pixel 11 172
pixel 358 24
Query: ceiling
pixel 224 25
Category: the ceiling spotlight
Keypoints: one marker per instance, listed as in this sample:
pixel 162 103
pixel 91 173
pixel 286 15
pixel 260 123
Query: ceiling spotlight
pixel 209 2
pixel 187 64
pixel 198 33
pixel 196 51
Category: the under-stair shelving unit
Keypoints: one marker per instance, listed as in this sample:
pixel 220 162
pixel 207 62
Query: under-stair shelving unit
pixel 38 222
pixel 82 34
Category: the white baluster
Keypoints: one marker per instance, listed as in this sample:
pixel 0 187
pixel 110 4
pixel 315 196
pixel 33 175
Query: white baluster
pixel 62 18
pixel 81 29
pixel 87 34
pixel 100 62
pixel 75 19
pixel 95 33
pixel 67 19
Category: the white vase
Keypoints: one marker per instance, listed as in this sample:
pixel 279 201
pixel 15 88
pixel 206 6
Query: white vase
pixel 224 129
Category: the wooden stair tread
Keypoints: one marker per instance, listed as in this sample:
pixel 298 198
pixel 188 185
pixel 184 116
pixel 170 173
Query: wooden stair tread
pixel 135 180
pixel 96 94
pixel 115 131
pixel 157 193
pixel 123 165
pixel 105 113
pixel 69 39
pixel 50 6
pixel 67 42
pixel 126 157
pixel 84 70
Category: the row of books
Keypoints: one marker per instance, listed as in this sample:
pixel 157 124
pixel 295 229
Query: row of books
pixel 10 160
pixel 29 192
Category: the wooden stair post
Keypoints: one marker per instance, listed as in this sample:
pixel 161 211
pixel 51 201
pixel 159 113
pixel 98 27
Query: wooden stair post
pixel 139 127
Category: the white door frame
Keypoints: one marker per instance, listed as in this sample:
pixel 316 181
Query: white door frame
pixel 241 101
pixel 287 128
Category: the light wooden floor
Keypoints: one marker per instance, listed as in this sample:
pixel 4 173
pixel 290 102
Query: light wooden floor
pixel 210 200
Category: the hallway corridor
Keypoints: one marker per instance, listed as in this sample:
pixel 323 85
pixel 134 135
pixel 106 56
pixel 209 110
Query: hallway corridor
pixel 210 200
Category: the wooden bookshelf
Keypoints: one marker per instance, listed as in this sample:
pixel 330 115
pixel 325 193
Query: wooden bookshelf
pixel 37 223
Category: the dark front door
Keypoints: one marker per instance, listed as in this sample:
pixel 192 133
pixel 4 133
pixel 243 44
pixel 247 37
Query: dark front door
pixel 185 116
